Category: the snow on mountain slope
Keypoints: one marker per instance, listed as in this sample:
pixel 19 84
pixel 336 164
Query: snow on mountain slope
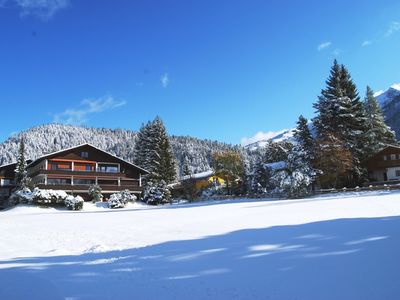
pixel 390 103
pixel 279 136
pixel 384 96
pixel 53 137
pixel 334 247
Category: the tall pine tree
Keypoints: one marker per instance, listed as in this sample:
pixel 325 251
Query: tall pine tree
pixel 165 168
pixel 143 146
pixel 340 112
pixel 378 133
pixel 304 137
pixel 153 151
pixel 20 169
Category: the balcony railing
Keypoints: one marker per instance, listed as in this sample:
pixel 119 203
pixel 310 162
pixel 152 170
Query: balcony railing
pixel 105 187
pixel 98 170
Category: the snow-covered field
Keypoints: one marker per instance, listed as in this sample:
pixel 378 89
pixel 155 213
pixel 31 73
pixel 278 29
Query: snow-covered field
pixel 338 247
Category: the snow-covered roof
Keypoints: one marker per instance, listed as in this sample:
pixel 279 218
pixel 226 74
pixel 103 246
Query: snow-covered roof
pixel 81 145
pixel 201 175
pixel 7 165
pixel 381 150
pixel 276 166
pixel 14 163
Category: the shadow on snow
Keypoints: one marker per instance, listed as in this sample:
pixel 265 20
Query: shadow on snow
pixel 337 259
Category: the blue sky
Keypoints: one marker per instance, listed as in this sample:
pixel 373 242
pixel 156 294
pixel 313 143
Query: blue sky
pixel 221 70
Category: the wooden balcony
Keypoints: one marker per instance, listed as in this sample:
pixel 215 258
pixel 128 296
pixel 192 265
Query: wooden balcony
pixel 79 173
pixel 134 187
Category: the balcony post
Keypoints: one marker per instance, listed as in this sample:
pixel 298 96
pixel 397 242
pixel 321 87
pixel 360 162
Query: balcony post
pixel 72 180
pixel 119 181
pixel 96 179
pixel 46 164
pixel 45 179
pixel 73 166
pixel 140 179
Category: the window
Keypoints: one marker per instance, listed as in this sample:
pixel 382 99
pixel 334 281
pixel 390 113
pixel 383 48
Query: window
pixel 384 157
pixel 7 182
pixel 60 166
pixel 393 156
pixel 397 173
pixel 84 181
pixel 85 154
pixel 88 168
pixel 60 181
pixel 108 168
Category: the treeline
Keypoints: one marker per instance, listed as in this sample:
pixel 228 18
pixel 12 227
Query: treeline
pixel 48 138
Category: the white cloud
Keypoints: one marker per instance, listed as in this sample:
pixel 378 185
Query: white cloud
pixel 393 27
pixel 366 43
pixel 78 116
pixel 164 80
pixel 259 136
pixel 43 9
pixel 323 46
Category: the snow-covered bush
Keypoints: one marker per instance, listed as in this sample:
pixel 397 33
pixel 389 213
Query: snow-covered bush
pixel 293 179
pixel 48 196
pixel 74 203
pixel 120 199
pixel 95 193
pixel 157 193
pixel 23 195
pixel 291 184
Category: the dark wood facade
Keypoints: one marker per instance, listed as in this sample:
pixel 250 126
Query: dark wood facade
pixel 74 170
pixel 385 165
pixel 7 183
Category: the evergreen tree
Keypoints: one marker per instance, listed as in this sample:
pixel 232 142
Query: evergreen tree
pixel 333 160
pixel 153 152
pixel 276 151
pixel 186 171
pixel 340 111
pixel 327 106
pixel 260 180
pixel 378 134
pixel 20 169
pixel 143 146
pixel 304 138
pixel 163 161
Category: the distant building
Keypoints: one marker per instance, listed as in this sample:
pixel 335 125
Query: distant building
pixel 385 165
pixel 200 182
pixel 204 179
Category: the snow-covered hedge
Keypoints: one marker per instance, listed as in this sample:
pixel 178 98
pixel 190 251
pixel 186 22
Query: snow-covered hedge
pixel 74 203
pixel 38 196
pixel 49 196
pixel 23 195
pixel 120 199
